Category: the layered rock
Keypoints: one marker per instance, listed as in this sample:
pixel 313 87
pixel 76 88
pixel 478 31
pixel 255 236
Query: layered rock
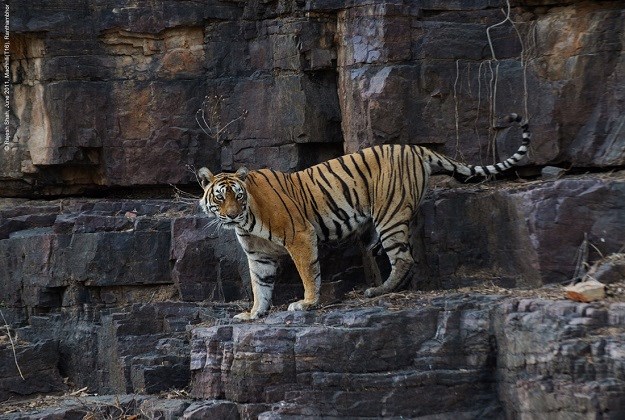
pixel 560 359
pixel 29 368
pixel 322 364
pixel 523 235
pixel 108 94
pixel 69 253
pixel 469 356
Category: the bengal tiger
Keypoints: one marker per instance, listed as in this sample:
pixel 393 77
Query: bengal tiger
pixel 274 213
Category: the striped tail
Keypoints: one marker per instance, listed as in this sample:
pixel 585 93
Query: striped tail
pixel 454 166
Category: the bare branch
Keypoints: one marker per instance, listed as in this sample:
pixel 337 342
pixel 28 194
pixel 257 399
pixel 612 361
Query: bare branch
pixel 208 117
pixel 6 325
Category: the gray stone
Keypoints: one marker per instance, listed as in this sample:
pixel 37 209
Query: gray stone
pixel 470 355
pixel 211 409
pixel 326 359
pixel 552 172
pixel 158 409
pixel 36 362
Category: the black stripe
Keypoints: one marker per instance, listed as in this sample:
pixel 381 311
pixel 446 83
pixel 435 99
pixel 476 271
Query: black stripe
pixel 253 221
pixel 283 204
pixel 264 261
pixel 315 208
pixel 364 161
pixel 396 209
pixel 303 195
pixel 334 207
pixel 387 229
pixel 377 157
pixel 324 229
pixel 272 280
pixel 338 228
pixel 323 177
pixel 404 247
pixel 387 205
pixel 360 173
pixel 252 180
pixel 275 175
pixel 344 167
pixel 346 191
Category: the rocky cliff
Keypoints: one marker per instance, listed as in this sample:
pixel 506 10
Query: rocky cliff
pixel 110 281
pixel 106 94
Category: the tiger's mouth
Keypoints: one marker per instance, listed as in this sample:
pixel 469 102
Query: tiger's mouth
pixel 229 224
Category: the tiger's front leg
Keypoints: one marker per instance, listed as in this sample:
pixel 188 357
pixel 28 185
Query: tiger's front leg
pixel 262 258
pixel 263 270
pixel 304 253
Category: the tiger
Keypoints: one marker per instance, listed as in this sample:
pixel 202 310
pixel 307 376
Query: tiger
pixel 276 213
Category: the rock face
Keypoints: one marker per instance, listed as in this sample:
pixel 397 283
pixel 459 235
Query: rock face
pixel 560 359
pixel 524 235
pixel 139 349
pixel 463 355
pixel 466 356
pixel 107 94
pixel 323 364
pixel 74 252
pixel 37 365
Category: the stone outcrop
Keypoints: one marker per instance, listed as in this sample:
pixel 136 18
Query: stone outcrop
pixel 139 349
pixel 322 364
pixel 523 235
pixel 560 359
pixel 468 356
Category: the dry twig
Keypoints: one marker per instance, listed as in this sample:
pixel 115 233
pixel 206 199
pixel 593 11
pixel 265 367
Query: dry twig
pixel 12 344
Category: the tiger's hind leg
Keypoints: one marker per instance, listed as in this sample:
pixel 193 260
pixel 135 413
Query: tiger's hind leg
pixel 395 241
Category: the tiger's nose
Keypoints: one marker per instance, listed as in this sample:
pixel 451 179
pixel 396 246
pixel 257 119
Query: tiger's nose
pixel 232 213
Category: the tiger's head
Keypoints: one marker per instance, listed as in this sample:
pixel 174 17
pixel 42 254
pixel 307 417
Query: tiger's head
pixel 225 196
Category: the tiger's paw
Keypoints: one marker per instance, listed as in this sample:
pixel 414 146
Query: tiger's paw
pixel 374 291
pixel 245 316
pixel 301 305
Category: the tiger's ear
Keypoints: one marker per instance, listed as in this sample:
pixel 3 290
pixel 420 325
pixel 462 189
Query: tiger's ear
pixel 242 173
pixel 205 176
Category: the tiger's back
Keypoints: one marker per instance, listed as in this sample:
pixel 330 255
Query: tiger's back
pixel 340 195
